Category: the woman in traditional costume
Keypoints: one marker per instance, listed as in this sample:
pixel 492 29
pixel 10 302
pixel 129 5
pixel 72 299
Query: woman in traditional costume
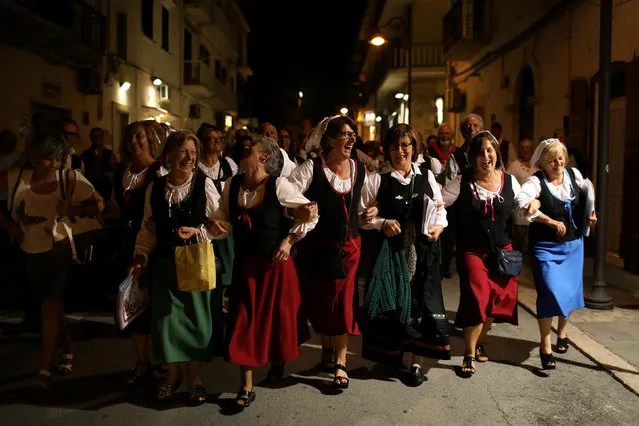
pixel 556 240
pixel 264 298
pixel 176 209
pixel 328 258
pixel 485 198
pixel 404 307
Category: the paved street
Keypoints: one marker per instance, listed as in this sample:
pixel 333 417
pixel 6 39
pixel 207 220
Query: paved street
pixel 507 390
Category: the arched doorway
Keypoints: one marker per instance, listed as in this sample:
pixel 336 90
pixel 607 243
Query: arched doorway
pixel 526 103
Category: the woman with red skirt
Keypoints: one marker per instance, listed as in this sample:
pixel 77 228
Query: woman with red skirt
pixel 264 298
pixel 485 200
pixel 328 258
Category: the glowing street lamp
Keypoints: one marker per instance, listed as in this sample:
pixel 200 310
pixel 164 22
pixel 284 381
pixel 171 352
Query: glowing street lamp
pixel 343 111
pixel 300 94
pixel 377 40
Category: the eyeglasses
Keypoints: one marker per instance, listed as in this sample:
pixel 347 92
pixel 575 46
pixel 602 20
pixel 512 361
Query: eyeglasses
pixel 347 135
pixel 220 139
pixel 402 146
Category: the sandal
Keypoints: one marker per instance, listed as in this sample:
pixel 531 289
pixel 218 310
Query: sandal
pixel 548 361
pixel 136 376
pixel 562 345
pixel 480 353
pixel 416 377
pixel 197 394
pixel 338 381
pixel 65 367
pixel 167 390
pixel 244 398
pixel 468 364
pixel 43 379
pixel 276 372
pixel 327 366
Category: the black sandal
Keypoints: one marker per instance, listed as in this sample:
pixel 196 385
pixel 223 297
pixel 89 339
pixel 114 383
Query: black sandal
pixel 65 367
pixel 136 376
pixel 548 361
pixel 327 366
pixel 337 380
pixel 167 390
pixel 276 372
pixel 197 395
pixel 562 345
pixel 469 364
pixel 416 376
pixel 480 352
pixel 244 398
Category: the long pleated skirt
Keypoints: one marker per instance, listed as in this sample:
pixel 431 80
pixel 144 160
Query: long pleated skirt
pixel 183 322
pixel 558 273
pixel 332 305
pixel 484 293
pixel 263 311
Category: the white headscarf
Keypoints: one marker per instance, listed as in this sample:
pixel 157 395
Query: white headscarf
pixel 534 160
pixel 316 134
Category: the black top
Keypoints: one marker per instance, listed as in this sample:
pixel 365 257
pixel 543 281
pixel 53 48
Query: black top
pixel 571 213
pixel 475 214
pixel 131 202
pixel 257 231
pixel 224 172
pixel 400 202
pixel 76 162
pixel 335 226
pixel 189 212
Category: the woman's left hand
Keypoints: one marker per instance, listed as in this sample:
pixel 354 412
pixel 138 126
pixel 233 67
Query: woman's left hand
pixel 434 232
pixel 187 232
pixel 283 251
pixel 592 219
pixel 370 214
pixel 531 208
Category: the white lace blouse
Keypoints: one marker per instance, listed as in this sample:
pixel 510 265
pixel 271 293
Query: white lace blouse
pixel 132 180
pixel 146 239
pixel 302 177
pixel 287 195
pixel 371 189
pixel 451 191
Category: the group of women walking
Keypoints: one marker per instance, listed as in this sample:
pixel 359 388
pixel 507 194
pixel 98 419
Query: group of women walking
pixel 291 249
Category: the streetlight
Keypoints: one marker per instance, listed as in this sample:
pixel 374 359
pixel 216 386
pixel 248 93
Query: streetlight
pixel 343 110
pixel 300 94
pixel 399 23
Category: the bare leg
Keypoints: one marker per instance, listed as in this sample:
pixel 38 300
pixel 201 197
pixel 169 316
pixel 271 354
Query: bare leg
pixel 545 325
pixel 484 332
pixel 341 348
pixel 418 361
pixel 246 374
pixel 173 373
pixel 328 342
pixel 561 329
pixel 471 335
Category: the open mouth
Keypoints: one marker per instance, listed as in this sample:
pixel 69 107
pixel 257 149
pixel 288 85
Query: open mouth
pixel 486 164
pixel 348 148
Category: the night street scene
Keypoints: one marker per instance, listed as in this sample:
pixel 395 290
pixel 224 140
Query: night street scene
pixel 355 212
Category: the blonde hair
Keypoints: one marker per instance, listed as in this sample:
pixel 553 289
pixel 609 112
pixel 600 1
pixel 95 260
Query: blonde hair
pixel 551 152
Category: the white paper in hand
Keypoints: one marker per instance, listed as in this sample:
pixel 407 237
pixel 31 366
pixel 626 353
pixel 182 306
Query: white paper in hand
pixel 430 210
pixel 132 302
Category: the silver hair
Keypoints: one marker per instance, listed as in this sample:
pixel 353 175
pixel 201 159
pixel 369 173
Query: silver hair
pixel 275 161
pixel 476 116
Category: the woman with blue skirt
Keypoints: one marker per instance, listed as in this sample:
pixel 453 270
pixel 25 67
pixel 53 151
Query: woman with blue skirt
pixel 564 200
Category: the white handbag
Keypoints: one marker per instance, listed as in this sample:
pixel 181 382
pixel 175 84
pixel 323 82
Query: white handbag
pixel 76 230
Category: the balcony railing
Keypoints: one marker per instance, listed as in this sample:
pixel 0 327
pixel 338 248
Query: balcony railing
pixel 465 27
pixel 86 24
pixel 422 55
pixel 198 79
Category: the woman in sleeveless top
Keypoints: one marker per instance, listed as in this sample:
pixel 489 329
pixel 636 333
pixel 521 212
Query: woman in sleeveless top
pixel 264 298
pixel 139 169
pixel 176 209
pixel 484 199
pixel 404 307
pixel 328 258
pixel 556 240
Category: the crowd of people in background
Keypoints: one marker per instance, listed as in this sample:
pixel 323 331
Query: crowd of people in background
pixel 295 224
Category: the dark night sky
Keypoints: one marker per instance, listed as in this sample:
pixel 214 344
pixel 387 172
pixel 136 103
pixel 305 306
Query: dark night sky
pixel 301 45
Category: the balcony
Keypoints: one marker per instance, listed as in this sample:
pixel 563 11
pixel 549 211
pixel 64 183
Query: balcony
pixel 199 12
pixel 67 31
pixel 466 29
pixel 391 73
pixel 198 79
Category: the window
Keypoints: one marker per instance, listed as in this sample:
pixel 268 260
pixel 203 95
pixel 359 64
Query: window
pixel 165 29
pixel 205 56
pixel 121 39
pixel 147 18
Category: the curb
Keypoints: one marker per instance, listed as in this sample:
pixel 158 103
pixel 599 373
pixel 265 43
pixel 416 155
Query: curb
pixel 624 372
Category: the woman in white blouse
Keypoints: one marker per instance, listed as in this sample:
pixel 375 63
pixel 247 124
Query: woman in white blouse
pixel 264 298
pixel 556 240
pixel 404 312
pixel 176 208
pixel 485 198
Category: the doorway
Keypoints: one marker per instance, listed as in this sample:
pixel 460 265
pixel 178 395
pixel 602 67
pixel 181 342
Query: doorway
pixel 526 104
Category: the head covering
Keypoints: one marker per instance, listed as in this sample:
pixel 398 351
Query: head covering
pixel 316 134
pixel 540 150
pixel 485 134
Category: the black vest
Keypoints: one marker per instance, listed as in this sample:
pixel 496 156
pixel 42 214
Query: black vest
pixel 334 226
pixel 224 172
pixel 396 203
pixel 190 212
pixel 558 210
pixel 473 215
pixel 131 202
pixel 76 162
pixel 462 160
pixel 257 231
pixel 96 170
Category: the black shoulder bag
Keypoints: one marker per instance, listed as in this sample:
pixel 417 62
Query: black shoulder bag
pixel 504 262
